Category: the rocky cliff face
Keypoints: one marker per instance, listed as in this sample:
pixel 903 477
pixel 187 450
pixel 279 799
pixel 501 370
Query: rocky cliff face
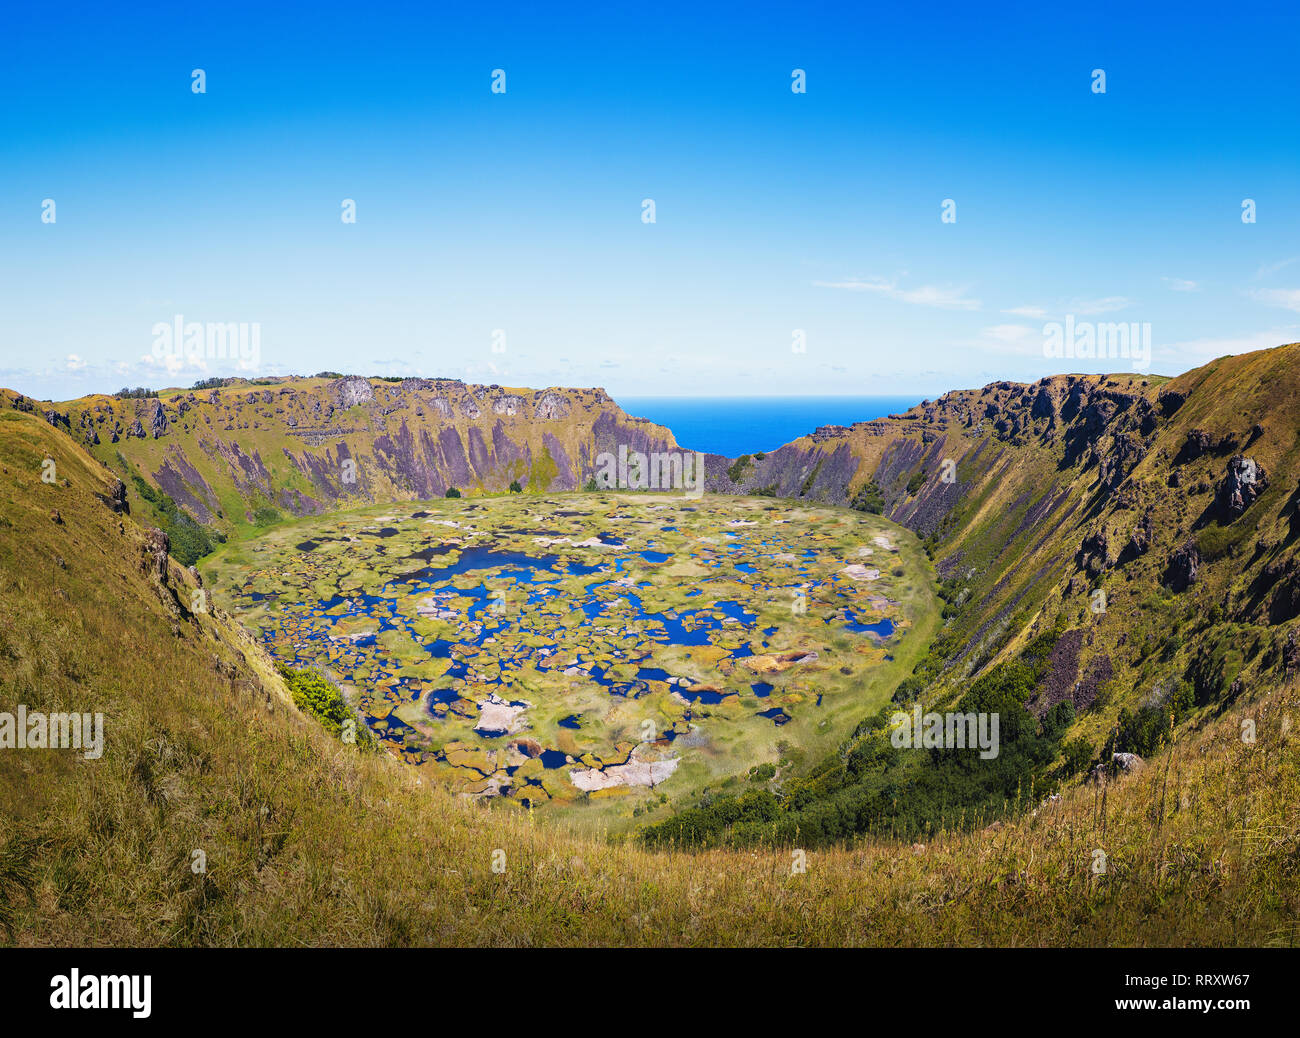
pixel 304 446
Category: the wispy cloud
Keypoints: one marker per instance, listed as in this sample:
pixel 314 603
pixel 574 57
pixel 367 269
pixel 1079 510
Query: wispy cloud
pixel 1181 285
pixel 1010 333
pixel 1288 298
pixel 1269 269
pixel 1019 340
pixel 945 297
pixel 1077 306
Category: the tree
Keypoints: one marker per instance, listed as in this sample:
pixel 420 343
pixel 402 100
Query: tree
pixel 452 492
pixel 516 488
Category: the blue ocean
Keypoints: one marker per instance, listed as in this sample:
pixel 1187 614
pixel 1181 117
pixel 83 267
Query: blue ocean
pixel 744 425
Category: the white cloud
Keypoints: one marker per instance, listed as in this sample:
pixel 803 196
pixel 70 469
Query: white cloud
pixel 1182 285
pixel 1079 307
pixel 175 363
pixel 75 363
pixel 1018 340
pixel 1010 332
pixel 943 297
pixel 1288 298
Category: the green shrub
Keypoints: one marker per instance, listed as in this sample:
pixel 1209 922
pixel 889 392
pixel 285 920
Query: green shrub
pixel 869 499
pixel 1145 730
pixel 908 690
pixel 1078 755
pixel 315 694
pixel 188 541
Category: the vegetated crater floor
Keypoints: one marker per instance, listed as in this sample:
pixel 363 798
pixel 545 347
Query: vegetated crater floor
pixel 597 652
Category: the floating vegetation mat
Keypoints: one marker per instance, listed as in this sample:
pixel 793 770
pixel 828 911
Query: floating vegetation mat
pixel 581 647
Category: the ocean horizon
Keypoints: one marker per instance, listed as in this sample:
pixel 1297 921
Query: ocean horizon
pixel 732 426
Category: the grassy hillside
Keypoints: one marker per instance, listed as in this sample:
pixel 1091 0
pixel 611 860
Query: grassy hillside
pixel 308 840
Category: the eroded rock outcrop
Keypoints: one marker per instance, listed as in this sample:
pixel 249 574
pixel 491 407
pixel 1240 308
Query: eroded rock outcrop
pixel 1183 568
pixel 1244 482
pixel 351 391
pixel 153 554
pixel 1094 553
pixel 550 406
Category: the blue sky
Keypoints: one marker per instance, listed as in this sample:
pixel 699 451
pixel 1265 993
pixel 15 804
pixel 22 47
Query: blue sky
pixel 522 211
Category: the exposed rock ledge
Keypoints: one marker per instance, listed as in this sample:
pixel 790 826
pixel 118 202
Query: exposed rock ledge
pixel 636 772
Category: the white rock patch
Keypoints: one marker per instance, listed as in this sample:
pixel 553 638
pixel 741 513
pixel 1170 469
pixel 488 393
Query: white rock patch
pixel 636 772
pixel 498 715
